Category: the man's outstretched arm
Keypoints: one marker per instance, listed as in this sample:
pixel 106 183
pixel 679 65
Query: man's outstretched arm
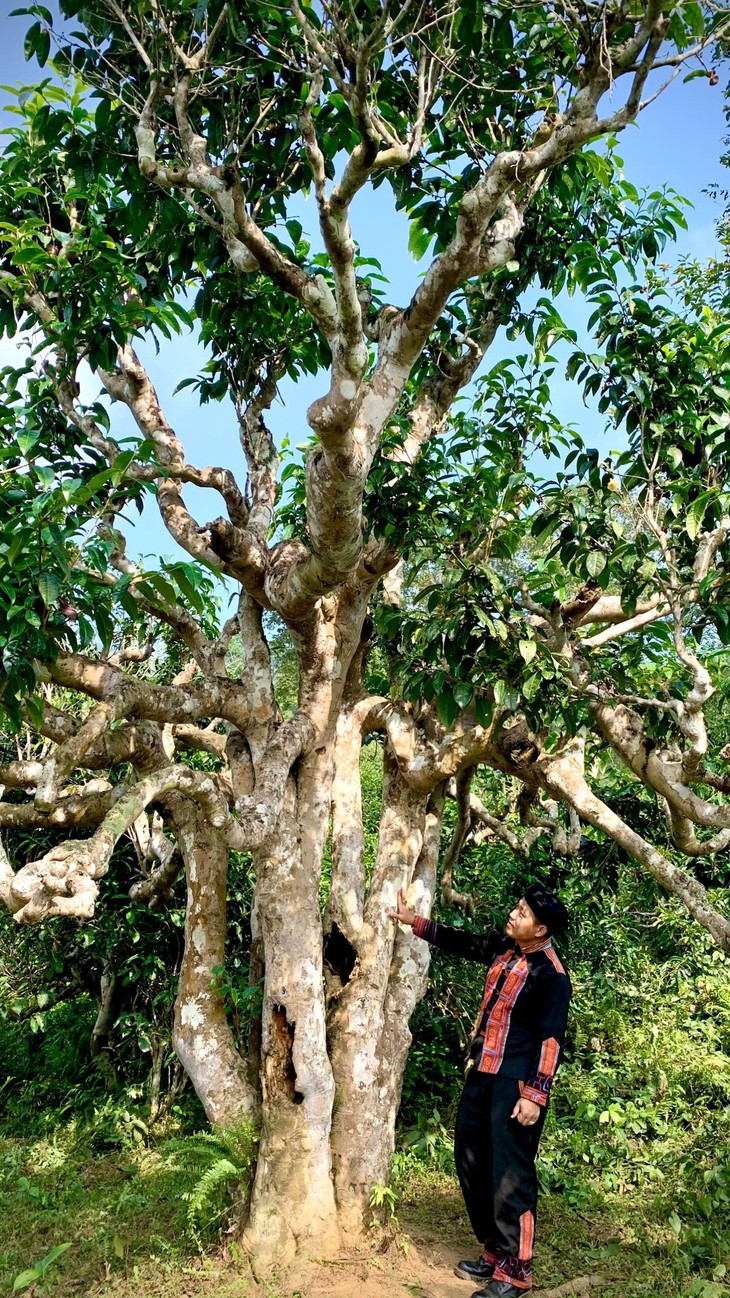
pixel 454 941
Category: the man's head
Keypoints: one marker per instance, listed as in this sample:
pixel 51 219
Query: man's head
pixel 536 916
pixel 523 926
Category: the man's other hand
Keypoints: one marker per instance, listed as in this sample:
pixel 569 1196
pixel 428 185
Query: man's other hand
pixel 526 1112
pixel 403 914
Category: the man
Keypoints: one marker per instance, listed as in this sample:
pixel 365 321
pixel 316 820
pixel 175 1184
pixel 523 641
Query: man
pixel 513 1058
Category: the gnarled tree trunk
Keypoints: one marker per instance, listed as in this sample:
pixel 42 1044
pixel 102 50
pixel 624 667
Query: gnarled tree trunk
pixel 366 1075
pixel 292 1206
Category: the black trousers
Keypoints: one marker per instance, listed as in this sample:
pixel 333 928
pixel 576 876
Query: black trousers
pixel 495 1163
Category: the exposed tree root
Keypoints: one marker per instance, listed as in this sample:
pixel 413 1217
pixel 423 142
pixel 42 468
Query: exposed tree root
pixel 574 1288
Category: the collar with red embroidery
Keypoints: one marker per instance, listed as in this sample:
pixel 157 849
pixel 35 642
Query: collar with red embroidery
pixel 534 946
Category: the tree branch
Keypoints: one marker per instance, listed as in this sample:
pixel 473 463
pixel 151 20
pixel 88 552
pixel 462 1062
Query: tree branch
pixel 58 767
pixel 664 771
pixel 64 882
pixel 630 624
pixel 462 829
pixel 163 703
pixel 81 812
pixel 564 777
pixel 685 837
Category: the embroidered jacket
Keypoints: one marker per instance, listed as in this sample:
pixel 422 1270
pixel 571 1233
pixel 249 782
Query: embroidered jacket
pixel 520 1028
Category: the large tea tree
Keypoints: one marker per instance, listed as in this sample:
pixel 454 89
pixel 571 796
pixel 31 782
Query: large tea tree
pixel 525 631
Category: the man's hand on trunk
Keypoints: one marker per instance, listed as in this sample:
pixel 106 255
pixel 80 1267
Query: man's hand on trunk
pixel 403 914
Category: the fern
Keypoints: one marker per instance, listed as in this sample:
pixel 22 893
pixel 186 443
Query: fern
pixel 220 1173
pixel 223 1158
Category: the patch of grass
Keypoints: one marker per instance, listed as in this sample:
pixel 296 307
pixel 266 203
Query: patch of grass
pixel 125 1210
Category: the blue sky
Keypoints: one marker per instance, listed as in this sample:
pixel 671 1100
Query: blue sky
pixel 678 141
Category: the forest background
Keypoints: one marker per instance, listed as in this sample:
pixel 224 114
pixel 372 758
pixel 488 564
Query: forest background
pixel 635 1166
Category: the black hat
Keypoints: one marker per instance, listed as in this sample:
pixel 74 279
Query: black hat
pixel 546 907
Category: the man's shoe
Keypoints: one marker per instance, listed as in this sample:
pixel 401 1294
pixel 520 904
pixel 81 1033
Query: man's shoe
pixel 500 1289
pixel 479 1270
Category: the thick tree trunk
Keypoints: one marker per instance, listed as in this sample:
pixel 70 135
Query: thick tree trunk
pixel 331 1066
pixel 368 1086
pixel 292 1205
pixel 407 985
pixel 202 1034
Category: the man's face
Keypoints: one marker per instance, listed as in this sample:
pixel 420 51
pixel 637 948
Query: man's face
pixel 523 926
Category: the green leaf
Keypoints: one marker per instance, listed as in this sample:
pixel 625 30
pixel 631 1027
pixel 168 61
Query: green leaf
pixel 463 693
pixel 506 696
pixel 695 515
pixel 52 1257
pixel 27 439
pixel 49 587
pixel 33 10
pixel 528 649
pixel 186 586
pixel 595 563
pixel 26 1279
pixel 120 465
pixel 447 707
pixel 531 687
pixel 31 39
pixel 162 586
pixel 418 240
pixel 43 46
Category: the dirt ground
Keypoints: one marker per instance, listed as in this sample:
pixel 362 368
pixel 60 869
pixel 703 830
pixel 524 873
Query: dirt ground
pixel 410 1264
pixel 417 1258
pixel 417 1267
pixel 414 1263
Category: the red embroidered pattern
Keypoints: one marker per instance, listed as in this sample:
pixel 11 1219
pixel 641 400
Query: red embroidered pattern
pixel 516 1271
pixel 425 928
pixel 527 1236
pixel 549 1056
pixel 497 1025
pixel 538 1087
pixel 493 975
pixel 552 956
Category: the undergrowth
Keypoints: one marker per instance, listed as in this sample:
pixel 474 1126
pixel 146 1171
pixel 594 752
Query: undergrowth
pixel 130 1205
